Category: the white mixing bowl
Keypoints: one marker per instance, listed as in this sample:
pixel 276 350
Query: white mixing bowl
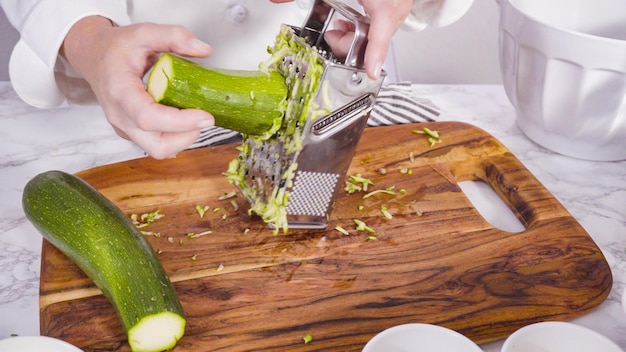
pixel 563 66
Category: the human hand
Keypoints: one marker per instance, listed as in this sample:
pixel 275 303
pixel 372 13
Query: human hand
pixel 386 16
pixel 114 60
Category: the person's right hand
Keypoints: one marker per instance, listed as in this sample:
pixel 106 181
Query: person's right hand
pixel 114 60
pixel 386 16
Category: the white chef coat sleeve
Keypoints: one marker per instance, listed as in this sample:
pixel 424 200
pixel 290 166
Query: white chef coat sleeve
pixel 435 13
pixel 37 73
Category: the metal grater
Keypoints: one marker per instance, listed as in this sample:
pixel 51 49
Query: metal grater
pixel 328 140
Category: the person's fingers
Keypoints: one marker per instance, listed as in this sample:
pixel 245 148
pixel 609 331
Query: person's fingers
pixel 385 19
pixel 157 117
pixel 162 145
pixel 122 93
pixel 114 63
pixel 339 37
pixel 380 34
pixel 158 38
pixel 156 143
pixel 339 42
pixel 161 131
pixel 148 115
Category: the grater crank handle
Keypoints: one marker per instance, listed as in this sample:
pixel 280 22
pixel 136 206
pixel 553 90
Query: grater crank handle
pixel 318 21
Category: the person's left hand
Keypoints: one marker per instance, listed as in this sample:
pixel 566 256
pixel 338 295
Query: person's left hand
pixel 386 16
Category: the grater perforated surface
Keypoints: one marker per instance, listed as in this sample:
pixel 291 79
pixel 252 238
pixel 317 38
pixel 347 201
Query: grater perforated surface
pixel 312 193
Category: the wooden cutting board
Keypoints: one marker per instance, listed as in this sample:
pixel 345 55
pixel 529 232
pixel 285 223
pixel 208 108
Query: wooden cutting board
pixel 436 261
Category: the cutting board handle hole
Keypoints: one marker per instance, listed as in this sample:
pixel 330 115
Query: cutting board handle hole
pixel 490 206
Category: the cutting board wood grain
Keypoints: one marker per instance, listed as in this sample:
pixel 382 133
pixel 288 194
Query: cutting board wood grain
pixel 436 261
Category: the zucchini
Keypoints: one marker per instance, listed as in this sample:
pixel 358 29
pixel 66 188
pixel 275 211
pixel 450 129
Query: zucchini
pixel 103 242
pixel 249 102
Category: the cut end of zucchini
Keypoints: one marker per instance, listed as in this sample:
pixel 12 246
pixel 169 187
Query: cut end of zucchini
pixel 158 81
pixel 157 332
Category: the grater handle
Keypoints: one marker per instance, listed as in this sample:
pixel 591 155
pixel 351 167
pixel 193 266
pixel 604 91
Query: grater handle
pixel 318 21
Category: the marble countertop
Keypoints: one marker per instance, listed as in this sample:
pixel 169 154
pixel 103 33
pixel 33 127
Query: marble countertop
pixel 77 138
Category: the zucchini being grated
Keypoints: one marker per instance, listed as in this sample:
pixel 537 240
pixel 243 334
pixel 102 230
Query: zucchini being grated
pixel 244 101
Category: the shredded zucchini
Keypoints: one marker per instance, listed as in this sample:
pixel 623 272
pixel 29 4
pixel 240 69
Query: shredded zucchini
pixel 433 137
pixel 361 226
pixel 271 205
pixel 342 230
pixel 145 219
pixel 388 190
pixel 202 210
pixel 307 338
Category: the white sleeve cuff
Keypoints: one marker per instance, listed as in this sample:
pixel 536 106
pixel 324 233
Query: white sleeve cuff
pixel 435 13
pixel 34 58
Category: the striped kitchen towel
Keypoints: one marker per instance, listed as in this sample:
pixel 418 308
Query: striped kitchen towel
pixel 394 105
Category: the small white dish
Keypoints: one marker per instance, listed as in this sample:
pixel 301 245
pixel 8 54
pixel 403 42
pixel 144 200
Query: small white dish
pixel 558 337
pixel 36 344
pixel 420 337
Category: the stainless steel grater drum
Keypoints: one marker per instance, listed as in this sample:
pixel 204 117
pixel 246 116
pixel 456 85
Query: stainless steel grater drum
pixel 329 135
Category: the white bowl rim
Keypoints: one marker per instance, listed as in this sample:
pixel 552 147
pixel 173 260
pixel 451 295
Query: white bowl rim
pixel 548 324
pixel 612 41
pixel 39 342
pixel 422 326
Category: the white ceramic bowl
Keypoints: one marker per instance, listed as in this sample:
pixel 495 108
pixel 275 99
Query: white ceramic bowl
pixel 418 338
pixel 563 66
pixel 36 344
pixel 558 337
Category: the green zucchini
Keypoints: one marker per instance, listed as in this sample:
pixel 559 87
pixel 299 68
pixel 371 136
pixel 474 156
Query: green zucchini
pixel 250 102
pixel 102 241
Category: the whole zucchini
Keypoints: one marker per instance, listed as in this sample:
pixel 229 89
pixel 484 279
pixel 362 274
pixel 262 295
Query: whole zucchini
pixel 251 102
pixel 101 240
